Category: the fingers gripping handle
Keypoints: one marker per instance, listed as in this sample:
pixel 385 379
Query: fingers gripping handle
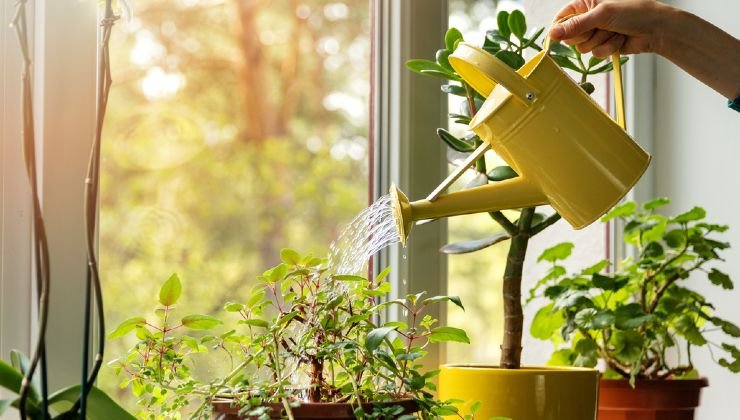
pixel 618 86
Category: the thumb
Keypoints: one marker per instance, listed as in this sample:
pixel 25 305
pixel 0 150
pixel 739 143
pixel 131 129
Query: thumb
pixel 574 26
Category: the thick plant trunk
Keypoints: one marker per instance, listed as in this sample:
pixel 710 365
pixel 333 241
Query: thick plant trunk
pixel 511 348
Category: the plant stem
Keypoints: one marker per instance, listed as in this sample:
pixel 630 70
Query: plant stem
pixel 504 222
pixel 511 348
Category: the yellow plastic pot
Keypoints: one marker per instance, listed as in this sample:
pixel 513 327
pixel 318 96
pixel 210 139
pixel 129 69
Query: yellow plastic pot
pixel 529 393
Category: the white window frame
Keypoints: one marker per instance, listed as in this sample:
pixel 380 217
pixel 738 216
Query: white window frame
pixel 64 52
pixel 407 110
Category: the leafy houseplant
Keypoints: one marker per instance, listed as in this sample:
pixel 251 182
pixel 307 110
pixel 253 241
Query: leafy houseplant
pixel 632 318
pixel 574 389
pixel 303 337
pixel 508 43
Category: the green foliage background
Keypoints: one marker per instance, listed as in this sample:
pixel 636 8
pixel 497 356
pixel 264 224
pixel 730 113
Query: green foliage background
pixel 261 143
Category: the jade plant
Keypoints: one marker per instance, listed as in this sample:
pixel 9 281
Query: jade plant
pixel 508 43
pixel 303 334
pixel 641 319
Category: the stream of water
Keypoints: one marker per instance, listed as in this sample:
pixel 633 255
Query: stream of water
pixel 369 232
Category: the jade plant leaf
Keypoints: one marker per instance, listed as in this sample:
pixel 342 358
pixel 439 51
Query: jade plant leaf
pixel 502 173
pixel 465 247
pixel 455 143
pixel 452 37
pixel 517 23
pixel 502 19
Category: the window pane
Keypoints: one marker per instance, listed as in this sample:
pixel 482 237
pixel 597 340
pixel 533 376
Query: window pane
pixel 234 129
pixel 477 276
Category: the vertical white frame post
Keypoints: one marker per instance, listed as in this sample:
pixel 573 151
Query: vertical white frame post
pixel 408 108
pixel 15 198
pixel 65 79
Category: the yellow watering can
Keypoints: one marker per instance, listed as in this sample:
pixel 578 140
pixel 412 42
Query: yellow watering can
pixel 568 152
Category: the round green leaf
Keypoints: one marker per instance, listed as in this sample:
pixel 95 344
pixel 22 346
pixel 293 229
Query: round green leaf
pixel 697 213
pixel 623 210
pixel 170 291
pixel 442 58
pixel 512 59
pixel 200 322
pixel 558 252
pixel 517 23
pixel 546 322
pixel 656 203
pixel 502 19
pixel 502 173
pixel 233 307
pixel 452 36
pixel 290 256
pixel 444 334
pixel 126 327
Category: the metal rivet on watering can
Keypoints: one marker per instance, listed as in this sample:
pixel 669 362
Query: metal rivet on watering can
pixel 530 96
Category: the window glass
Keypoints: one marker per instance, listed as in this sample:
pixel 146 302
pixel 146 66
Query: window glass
pixel 234 129
pixel 476 277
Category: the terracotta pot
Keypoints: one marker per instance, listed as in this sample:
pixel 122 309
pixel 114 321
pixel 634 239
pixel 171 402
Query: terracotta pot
pixel 223 410
pixel 649 400
pixel 529 393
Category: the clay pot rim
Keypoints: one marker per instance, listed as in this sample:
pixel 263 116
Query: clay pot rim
pixel 656 383
pixel 308 405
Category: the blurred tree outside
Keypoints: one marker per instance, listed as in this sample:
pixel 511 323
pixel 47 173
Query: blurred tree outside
pixel 235 128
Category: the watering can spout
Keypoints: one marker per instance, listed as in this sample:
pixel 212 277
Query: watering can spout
pixel 510 194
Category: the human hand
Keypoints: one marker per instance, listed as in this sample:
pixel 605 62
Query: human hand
pixel 604 27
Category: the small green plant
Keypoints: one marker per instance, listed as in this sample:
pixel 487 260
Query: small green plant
pixel 303 334
pixel 633 317
pixel 509 42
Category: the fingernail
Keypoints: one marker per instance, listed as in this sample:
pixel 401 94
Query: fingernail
pixel 557 32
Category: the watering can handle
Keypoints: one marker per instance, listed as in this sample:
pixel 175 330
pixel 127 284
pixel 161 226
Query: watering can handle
pixel 482 71
pixel 618 87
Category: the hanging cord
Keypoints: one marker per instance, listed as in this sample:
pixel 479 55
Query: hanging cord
pixel 40 244
pixel 92 188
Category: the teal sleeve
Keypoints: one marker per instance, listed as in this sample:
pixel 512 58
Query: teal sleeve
pixel 734 104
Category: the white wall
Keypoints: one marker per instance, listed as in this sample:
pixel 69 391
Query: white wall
pixel 697 151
